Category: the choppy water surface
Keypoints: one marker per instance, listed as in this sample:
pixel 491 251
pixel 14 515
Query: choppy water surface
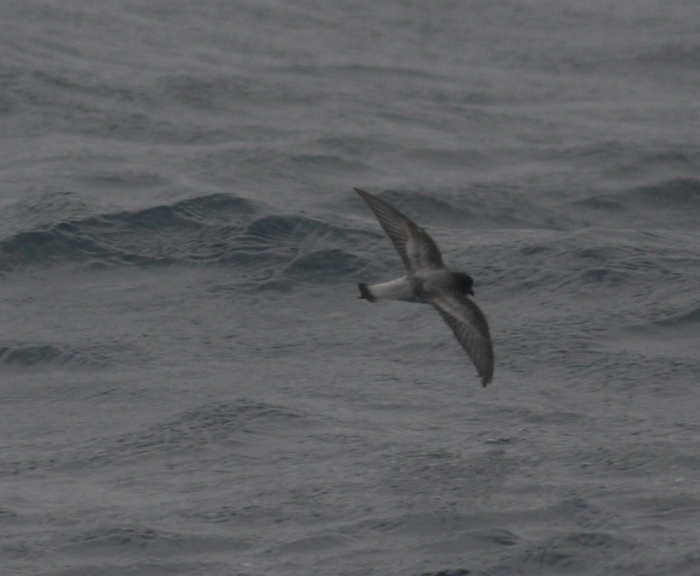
pixel 188 382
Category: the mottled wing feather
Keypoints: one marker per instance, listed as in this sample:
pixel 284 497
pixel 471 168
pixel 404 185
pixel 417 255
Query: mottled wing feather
pixel 417 249
pixel 471 330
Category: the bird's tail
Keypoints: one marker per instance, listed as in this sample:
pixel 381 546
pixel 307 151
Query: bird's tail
pixel 365 292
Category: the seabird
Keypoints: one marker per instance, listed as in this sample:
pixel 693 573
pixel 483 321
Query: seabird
pixel 428 281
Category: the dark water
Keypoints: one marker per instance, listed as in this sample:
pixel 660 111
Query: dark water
pixel 188 382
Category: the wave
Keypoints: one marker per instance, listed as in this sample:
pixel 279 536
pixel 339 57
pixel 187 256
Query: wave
pixel 33 355
pixel 690 319
pixel 280 250
pixel 155 235
pixel 133 539
pixel 428 209
pixel 480 206
pixel 681 323
pixel 667 204
pixel 675 194
pixel 239 422
pixel 218 229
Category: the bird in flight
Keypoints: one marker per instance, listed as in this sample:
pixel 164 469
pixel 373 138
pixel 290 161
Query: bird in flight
pixel 429 282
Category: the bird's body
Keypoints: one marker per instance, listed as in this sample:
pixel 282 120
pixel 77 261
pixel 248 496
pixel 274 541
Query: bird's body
pixel 429 282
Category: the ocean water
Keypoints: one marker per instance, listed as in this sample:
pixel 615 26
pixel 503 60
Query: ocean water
pixel 189 384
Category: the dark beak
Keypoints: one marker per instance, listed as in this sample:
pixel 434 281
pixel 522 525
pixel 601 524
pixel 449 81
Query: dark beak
pixel 471 292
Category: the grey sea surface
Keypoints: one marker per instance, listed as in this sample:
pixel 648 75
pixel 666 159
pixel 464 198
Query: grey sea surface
pixel 189 384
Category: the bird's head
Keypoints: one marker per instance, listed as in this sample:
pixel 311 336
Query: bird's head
pixel 465 283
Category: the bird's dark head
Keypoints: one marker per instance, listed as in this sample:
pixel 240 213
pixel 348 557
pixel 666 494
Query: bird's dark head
pixel 465 283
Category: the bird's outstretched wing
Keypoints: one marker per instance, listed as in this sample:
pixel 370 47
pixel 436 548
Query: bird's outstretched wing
pixel 470 328
pixel 417 249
